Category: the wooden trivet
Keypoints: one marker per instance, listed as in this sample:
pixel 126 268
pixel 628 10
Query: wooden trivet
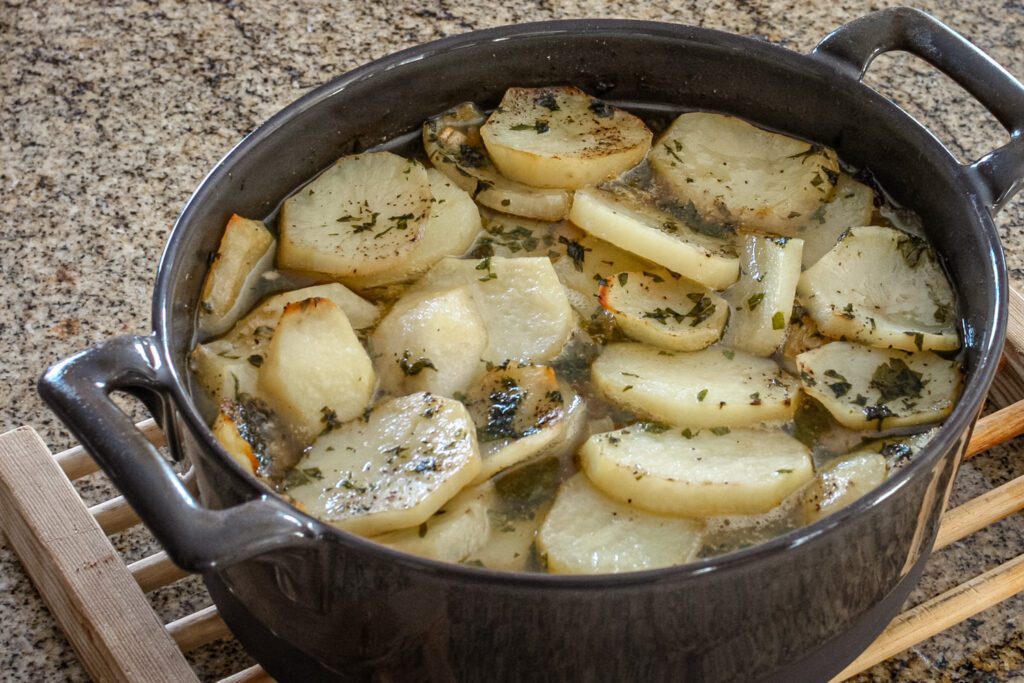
pixel 99 601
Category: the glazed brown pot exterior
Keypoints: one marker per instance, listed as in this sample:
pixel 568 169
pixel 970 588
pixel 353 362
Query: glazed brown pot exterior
pixel 313 603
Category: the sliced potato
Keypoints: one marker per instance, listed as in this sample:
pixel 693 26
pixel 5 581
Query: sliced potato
pixel 735 172
pixel 882 287
pixel 507 235
pixel 453 224
pixel 715 387
pixel 316 373
pixel 867 388
pixel 562 138
pixel 671 314
pixel 844 480
pixel 246 251
pixel 227 367
pixel 460 528
pixel 256 437
pixel 697 474
pixel 581 261
pixel 430 341
pixel 802 334
pixel 523 306
pixel 361 313
pixel 657 236
pixel 363 216
pixel 588 533
pixel 898 451
pixel 523 496
pixel 391 470
pixel 852 205
pixel 227 433
pixel 762 300
pixel 510 546
pixel 453 145
pixel 520 412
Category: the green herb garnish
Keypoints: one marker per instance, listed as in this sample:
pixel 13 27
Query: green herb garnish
pixel 414 367
pixel 895 379
pixel 576 251
pixel 547 100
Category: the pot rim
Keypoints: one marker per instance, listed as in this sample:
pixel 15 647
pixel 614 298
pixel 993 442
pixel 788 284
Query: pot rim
pixel 957 425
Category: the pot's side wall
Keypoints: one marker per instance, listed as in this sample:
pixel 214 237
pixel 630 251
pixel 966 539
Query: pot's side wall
pixel 363 616
pixel 361 613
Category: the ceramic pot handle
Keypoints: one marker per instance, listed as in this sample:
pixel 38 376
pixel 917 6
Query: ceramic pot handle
pixel 196 538
pixel 851 48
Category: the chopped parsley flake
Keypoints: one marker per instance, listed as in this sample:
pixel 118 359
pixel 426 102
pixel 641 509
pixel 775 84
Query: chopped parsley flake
pixel 414 367
pixel 895 379
pixel 576 251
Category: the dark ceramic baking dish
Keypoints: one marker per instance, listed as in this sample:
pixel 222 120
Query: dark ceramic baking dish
pixel 313 603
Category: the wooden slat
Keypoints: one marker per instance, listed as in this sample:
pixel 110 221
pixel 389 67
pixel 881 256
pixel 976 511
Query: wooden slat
pixel 76 463
pixel 978 513
pixel 996 428
pixel 114 515
pixel 254 674
pixel 80 576
pixel 941 612
pixel 1008 385
pixel 156 571
pixel 198 629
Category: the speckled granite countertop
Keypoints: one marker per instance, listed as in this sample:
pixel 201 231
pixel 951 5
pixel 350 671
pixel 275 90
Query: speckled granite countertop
pixel 109 116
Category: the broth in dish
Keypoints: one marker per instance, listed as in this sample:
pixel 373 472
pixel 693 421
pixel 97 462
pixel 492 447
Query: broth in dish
pixel 552 340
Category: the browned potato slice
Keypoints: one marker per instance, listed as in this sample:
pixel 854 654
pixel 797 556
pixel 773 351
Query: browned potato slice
pixel 246 251
pixel 562 138
pixel 521 412
pixel 227 367
pixel 316 373
pixel 672 314
pixel 229 436
pixel 453 145
pixel 802 334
